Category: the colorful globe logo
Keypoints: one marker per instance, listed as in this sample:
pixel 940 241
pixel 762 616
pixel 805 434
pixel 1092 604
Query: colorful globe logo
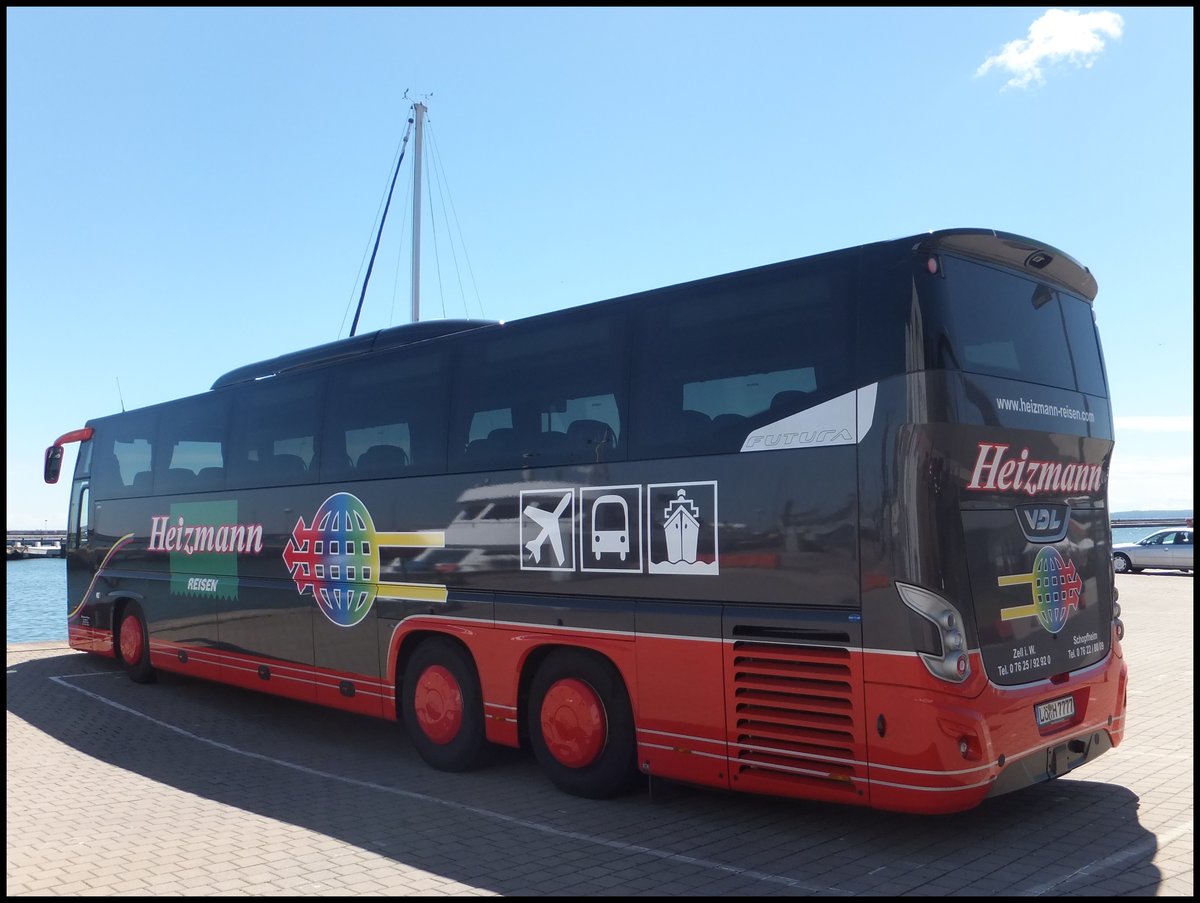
pixel 1055 589
pixel 336 559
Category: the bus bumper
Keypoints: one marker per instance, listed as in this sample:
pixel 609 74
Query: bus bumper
pixel 947 753
pixel 1053 762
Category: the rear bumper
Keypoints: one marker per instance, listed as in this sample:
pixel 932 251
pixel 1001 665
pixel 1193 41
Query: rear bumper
pixel 940 752
pixel 1052 762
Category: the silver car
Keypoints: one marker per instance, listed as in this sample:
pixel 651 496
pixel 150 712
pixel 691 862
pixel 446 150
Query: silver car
pixel 1165 549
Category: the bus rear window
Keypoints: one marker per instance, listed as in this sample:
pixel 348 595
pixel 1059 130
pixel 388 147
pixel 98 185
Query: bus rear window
pixel 984 320
pixel 1085 344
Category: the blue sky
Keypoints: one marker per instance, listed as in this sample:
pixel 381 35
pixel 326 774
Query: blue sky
pixel 192 190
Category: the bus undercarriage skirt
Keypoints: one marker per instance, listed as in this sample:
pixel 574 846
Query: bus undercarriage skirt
pixel 1050 763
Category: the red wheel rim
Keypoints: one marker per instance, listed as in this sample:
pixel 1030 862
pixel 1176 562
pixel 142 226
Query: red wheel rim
pixel 573 723
pixel 438 701
pixel 131 640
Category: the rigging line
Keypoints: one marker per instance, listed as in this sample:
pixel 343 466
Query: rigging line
pixel 379 234
pixel 462 242
pixel 374 220
pixel 443 190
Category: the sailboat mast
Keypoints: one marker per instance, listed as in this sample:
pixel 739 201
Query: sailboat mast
pixel 419 110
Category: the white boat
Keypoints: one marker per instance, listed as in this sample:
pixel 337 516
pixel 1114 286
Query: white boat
pixel 41 549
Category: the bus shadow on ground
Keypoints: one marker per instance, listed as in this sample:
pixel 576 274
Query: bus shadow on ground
pixel 506 830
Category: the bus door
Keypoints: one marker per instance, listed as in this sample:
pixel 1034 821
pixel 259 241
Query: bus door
pixel 265 627
pixel 266 632
pixel 347 661
pixel 81 560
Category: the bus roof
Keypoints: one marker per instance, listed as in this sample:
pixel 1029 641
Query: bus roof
pixel 1036 259
pixel 392 337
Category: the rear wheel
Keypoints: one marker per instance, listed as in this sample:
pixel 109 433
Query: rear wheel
pixel 133 644
pixel 1122 564
pixel 442 706
pixel 581 725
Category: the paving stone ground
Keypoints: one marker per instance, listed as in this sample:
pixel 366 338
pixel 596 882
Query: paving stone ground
pixel 188 788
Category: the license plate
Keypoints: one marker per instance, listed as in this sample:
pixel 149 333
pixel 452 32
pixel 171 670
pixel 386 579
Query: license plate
pixel 1055 711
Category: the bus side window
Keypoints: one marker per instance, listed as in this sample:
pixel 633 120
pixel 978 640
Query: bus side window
pixel 85 514
pixel 712 368
pixel 275 428
pixel 79 516
pixel 519 392
pixel 106 472
pixel 385 417
pixel 491 441
pixel 382 460
pixel 120 454
pixel 191 445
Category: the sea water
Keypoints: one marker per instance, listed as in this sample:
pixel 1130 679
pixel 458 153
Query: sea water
pixel 35 607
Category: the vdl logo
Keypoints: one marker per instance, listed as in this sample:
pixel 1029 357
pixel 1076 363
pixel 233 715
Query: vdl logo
pixel 1044 523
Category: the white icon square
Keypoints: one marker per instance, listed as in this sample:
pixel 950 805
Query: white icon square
pixel 547 539
pixel 681 528
pixel 610 532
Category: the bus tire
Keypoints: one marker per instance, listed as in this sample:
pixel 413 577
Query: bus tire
pixel 581 725
pixel 133 644
pixel 442 706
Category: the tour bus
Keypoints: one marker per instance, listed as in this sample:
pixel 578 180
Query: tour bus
pixel 834 528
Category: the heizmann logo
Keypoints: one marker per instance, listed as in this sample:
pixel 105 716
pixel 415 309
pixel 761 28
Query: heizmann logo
pixel 997 470
pixel 204 540
pixel 1056 590
pixel 335 557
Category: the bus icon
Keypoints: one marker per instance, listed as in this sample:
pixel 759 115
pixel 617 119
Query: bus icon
pixel 610 510
pixel 611 529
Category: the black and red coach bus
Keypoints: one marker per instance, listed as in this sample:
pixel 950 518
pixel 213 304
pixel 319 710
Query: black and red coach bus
pixel 834 528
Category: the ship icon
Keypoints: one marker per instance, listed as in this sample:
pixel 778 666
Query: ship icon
pixel 682 526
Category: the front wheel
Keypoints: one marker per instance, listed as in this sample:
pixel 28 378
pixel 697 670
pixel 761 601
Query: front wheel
pixel 1122 564
pixel 581 725
pixel 443 706
pixel 133 644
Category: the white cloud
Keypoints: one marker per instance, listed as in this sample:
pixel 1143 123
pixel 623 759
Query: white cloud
pixel 1060 35
pixel 1182 424
pixel 1142 482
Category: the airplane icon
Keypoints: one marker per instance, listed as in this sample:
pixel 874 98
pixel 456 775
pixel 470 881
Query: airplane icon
pixel 548 521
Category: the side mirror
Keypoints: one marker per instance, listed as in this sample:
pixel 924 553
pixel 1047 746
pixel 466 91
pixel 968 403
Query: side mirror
pixel 54 456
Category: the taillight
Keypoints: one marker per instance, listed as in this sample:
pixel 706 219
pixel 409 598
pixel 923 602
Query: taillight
pixel 954 664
